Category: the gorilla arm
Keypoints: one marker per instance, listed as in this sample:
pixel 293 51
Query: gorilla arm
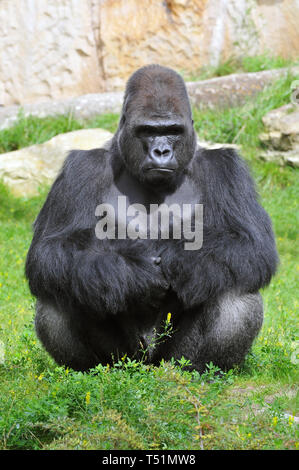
pixel 67 264
pixel 238 251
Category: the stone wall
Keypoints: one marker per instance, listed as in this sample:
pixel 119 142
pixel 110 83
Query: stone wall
pixel 53 49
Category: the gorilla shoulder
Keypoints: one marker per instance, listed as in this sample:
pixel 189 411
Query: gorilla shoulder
pixel 224 167
pixel 88 167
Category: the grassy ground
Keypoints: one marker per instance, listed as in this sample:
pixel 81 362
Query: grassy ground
pixel 132 406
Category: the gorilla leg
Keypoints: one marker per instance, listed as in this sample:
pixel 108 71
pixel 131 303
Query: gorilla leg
pixel 80 341
pixel 222 332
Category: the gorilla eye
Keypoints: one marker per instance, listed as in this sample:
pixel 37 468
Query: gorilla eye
pixel 146 131
pixel 152 131
pixel 175 130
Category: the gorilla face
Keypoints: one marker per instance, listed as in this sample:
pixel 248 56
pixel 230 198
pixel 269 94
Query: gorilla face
pixel 156 138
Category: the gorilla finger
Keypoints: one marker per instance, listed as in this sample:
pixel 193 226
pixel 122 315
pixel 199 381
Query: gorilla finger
pixel 156 259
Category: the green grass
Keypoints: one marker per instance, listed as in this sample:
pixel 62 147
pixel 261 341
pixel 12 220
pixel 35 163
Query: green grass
pixel 133 406
pixel 240 65
pixel 242 125
pixel 31 130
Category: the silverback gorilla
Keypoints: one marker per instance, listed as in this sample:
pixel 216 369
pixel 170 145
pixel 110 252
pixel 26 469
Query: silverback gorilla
pixel 100 298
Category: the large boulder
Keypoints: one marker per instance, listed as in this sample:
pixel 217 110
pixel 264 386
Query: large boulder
pixel 80 107
pixel 26 169
pixel 233 89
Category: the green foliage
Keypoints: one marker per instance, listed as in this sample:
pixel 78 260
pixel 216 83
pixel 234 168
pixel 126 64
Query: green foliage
pixel 264 62
pixel 33 130
pixel 132 405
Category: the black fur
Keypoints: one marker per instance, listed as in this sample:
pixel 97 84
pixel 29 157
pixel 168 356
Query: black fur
pixel 100 299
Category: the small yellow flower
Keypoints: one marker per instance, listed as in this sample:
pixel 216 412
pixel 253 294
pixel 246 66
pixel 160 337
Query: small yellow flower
pixel 291 420
pixel 275 420
pixel 168 317
pixel 40 377
pixel 67 371
pixel 87 398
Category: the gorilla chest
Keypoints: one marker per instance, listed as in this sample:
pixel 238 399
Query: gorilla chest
pixel 131 212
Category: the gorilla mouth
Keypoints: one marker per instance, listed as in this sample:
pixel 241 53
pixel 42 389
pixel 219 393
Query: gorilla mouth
pixel 161 170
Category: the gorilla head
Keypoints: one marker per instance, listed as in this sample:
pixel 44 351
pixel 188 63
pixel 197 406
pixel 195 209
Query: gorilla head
pixel 155 137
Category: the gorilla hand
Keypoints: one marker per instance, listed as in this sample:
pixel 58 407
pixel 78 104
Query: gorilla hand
pixel 159 285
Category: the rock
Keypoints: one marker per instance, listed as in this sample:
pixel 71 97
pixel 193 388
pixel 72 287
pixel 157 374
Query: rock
pixel 281 158
pixel 284 119
pixel 234 89
pixel 54 50
pixel 282 128
pixel 81 108
pixel 26 169
pixel 281 135
pixel 216 145
pixel 48 50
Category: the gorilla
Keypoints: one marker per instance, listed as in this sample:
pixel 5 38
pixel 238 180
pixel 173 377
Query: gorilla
pixel 100 296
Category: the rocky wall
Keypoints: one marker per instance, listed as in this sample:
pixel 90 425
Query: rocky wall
pixel 53 49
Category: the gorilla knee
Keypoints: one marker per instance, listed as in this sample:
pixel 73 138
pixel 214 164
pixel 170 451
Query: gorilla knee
pixel 239 315
pixel 237 320
pixel 60 340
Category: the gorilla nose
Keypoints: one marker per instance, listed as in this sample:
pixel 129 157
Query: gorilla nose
pixel 158 152
pixel 161 155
